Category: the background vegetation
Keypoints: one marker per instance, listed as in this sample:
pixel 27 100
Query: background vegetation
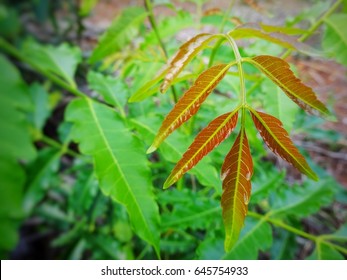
pixel 76 182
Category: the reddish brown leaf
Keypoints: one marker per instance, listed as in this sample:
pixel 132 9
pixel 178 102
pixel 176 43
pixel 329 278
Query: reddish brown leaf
pixel 236 173
pixel 277 139
pixel 279 72
pixel 185 54
pixel 211 136
pixel 190 102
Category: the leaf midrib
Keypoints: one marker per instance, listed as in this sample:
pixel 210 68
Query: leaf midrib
pixel 237 179
pixel 108 148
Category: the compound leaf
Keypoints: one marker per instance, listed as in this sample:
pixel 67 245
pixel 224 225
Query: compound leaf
pixel 190 102
pixel 184 55
pixel 279 72
pixel 211 136
pixel 236 172
pixel 277 139
pixel 103 135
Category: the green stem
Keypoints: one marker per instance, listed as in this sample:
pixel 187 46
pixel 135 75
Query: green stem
pixel 7 47
pixel 214 51
pixel 315 26
pixel 226 14
pixel 294 230
pixel 151 18
pixel 242 79
pixel 312 29
pixel 53 143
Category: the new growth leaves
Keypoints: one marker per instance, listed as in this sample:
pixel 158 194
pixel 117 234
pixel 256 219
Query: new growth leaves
pixel 237 168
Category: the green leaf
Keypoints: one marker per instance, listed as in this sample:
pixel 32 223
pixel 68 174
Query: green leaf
pixel 61 61
pixel 84 190
pixel 11 194
pixel 120 164
pixel 40 175
pixel 279 105
pixel 325 252
pixel 303 200
pixel 86 6
pixel 123 29
pixel 270 34
pixel 284 245
pixel 15 142
pixel 262 185
pixel 190 210
pixel 42 109
pixel 339 235
pixel 255 236
pixel 113 91
pixel 335 38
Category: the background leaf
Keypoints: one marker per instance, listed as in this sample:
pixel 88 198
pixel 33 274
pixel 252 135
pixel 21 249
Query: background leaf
pixel 114 91
pixel 15 142
pixel 122 30
pixel 255 236
pixel 104 136
pixel 303 200
pixel 335 38
pixel 279 105
pixel 325 252
pixel 61 61
pixel 40 177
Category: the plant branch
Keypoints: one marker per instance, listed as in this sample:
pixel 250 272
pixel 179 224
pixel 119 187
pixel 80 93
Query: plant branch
pixel 315 26
pixel 225 16
pixel 294 230
pixel 7 47
pixel 53 143
pixel 151 18
pixel 311 30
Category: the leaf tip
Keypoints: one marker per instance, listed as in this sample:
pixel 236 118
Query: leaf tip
pixel 314 176
pixel 151 149
pixel 228 244
pixel 168 183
